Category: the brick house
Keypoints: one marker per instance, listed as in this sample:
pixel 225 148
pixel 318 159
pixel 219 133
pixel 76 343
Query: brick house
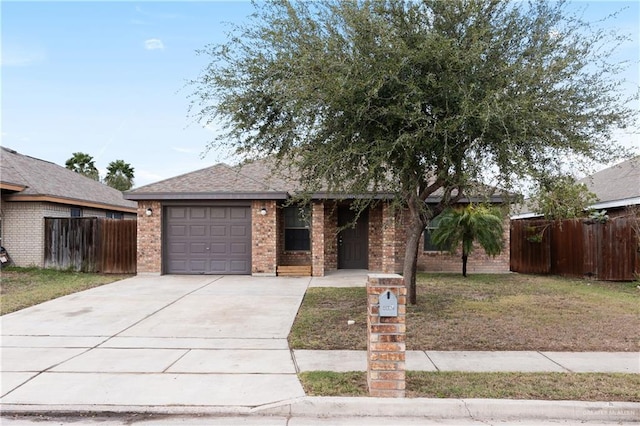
pixel 33 189
pixel 234 220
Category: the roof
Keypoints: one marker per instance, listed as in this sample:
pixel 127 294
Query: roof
pixel 249 181
pixel 616 186
pixel 24 178
pixel 254 180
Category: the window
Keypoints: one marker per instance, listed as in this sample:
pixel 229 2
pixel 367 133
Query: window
pixel 296 229
pixel 115 215
pixel 76 212
pixel 428 244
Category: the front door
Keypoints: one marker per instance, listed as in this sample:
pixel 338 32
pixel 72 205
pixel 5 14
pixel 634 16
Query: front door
pixel 353 242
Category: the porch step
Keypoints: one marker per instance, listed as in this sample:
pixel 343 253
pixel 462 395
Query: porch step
pixel 294 271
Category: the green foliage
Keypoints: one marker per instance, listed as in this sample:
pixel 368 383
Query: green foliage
pixel 84 164
pixel 466 225
pixel 119 175
pixel 562 198
pixel 600 217
pixel 414 99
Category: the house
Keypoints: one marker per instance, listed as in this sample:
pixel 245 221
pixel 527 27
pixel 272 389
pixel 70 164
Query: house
pixel 235 220
pixel 617 187
pixel 33 189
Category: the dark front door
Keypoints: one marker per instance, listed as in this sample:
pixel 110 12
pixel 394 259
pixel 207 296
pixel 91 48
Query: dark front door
pixel 353 242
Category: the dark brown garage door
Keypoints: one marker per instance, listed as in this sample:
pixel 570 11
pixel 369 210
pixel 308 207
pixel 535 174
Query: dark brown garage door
pixel 208 240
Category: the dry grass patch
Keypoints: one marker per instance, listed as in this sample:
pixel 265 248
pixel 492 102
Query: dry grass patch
pixel 543 386
pixel 24 287
pixel 484 312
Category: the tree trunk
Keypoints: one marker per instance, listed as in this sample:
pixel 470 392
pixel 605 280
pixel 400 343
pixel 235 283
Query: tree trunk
pixel 414 232
pixel 465 256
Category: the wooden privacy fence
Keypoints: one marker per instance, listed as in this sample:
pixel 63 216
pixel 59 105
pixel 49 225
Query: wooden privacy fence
pixel 578 248
pixel 90 244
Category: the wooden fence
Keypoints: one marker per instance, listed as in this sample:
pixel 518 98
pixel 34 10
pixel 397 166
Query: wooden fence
pixel 577 248
pixel 90 244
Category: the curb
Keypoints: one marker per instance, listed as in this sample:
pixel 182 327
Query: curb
pixel 495 409
pixel 328 407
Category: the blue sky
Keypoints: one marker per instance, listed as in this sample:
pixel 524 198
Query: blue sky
pixel 108 78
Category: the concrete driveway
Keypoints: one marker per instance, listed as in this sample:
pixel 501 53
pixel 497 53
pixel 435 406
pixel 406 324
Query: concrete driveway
pixel 156 341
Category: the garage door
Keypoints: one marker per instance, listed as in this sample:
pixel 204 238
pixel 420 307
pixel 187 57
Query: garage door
pixel 208 240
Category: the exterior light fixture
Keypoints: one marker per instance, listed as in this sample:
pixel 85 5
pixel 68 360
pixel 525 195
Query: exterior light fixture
pixel 263 211
pixel 149 211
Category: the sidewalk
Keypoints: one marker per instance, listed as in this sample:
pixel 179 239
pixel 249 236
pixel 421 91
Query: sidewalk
pixel 482 361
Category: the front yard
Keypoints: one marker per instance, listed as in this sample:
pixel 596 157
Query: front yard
pixel 489 313
pixel 485 312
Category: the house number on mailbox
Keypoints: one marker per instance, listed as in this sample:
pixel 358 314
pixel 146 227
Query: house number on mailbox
pixel 388 304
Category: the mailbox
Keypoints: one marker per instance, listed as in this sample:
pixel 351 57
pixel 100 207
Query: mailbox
pixel 388 304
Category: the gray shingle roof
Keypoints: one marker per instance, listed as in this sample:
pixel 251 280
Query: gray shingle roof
pixel 250 181
pixel 618 182
pixel 43 179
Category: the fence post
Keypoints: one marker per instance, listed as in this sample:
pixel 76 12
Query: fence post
pixel 386 336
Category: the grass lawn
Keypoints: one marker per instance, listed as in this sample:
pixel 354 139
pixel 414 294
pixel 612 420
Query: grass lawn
pixel 24 287
pixel 547 386
pixel 484 312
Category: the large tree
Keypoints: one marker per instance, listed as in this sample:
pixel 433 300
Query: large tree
pixel 119 175
pixel 84 164
pixel 413 98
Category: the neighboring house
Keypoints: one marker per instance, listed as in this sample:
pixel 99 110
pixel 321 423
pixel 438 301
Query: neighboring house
pixel 617 187
pixel 234 220
pixel 33 189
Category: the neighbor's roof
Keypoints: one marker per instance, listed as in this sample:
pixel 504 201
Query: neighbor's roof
pixel 24 178
pixel 617 185
pixel 254 180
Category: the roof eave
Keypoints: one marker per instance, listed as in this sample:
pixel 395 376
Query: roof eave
pixel 69 201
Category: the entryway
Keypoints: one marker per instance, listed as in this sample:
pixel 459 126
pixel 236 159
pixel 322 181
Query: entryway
pixel 353 242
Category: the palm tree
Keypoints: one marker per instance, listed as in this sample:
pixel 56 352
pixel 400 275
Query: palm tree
pixel 83 163
pixel 479 223
pixel 119 175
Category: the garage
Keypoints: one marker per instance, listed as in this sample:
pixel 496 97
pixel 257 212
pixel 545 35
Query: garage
pixel 207 239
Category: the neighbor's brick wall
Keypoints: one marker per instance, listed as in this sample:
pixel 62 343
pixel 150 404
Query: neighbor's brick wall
pixel 264 237
pixel 23 230
pixel 478 262
pixel 149 238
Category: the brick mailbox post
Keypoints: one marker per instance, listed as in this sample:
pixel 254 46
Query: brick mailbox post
pixel 386 330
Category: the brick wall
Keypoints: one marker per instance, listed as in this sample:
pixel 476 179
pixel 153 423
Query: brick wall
pixel 264 236
pixel 330 237
pixel 376 240
pixel 149 238
pixel 317 238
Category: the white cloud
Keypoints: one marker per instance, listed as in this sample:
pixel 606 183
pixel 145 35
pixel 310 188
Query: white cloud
pixel 153 44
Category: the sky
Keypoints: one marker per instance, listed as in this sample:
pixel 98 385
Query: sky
pixel 109 78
